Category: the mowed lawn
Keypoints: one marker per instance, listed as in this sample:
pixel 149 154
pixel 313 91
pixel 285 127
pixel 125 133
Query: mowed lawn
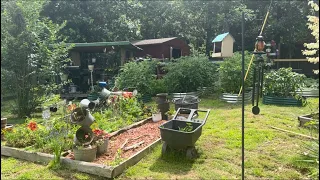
pixel 269 153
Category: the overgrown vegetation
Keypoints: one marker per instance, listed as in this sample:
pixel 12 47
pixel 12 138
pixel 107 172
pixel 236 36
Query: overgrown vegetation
pixel 31 56
pixel 187 74
pixel 137 75
pixel 230 73
pixel 283 83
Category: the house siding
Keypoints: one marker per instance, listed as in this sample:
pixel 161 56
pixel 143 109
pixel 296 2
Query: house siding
pixel 163 50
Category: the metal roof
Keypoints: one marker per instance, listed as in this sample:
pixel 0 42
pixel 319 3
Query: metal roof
pixel 152 41
pixel 220 37
pixel 99 46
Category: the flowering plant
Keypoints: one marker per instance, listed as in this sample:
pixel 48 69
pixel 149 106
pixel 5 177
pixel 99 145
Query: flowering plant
pixel 72 107
pixel 100 134
pixel 32 125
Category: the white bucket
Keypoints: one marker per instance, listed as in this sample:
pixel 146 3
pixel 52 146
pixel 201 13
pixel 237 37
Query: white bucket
pixel 156 117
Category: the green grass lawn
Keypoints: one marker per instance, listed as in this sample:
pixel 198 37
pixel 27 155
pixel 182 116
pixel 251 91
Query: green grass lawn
pixel 269 153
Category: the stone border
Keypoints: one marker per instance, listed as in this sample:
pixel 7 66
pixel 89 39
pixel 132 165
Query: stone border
pixel 87 167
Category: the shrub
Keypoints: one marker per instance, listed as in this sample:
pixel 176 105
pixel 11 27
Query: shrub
pixel 189 73
pixel 311 83
pixel 282 83
pixel 230 73
pixel 139 75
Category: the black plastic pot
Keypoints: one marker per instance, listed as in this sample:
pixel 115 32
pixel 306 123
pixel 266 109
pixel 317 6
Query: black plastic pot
pixel 163 105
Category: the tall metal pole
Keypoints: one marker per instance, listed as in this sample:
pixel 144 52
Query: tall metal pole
pixel 243 90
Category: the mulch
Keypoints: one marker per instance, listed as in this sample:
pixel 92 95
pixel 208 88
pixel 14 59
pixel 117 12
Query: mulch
pixel 144 135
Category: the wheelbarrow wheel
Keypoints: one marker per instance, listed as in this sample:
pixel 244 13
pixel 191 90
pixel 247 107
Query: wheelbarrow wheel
pixel 191 152
pixel 164 148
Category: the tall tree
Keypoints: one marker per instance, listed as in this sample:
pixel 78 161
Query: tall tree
pixel 312 50
pixel 30 58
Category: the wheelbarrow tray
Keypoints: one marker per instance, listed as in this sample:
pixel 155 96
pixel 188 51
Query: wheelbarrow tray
pixel 170 133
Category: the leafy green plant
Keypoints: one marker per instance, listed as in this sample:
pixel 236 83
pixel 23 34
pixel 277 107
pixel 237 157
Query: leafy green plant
pixel 42 55
pixel 187 128
pixel 282 83
pixel 139 75
pixel 20 136
pixel 311 83
pixel 155 109
pixel 57 150
pixel 230 73
pixel 189 73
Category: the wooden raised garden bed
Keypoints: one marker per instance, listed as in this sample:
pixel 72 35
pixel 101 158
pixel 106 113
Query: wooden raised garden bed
pixel 289 101
pixel 135 141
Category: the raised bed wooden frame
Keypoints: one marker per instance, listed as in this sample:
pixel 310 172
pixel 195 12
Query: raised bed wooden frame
pixel 87 167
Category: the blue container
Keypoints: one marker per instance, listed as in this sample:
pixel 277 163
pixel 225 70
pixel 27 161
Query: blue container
pixel 102 84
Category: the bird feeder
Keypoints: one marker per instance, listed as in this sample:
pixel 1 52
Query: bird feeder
pixel 223 46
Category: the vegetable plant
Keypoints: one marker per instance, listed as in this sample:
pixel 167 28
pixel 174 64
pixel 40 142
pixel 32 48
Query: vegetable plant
pixel 189 73
pixel 282 83
pixel 230 73
pixel 187 128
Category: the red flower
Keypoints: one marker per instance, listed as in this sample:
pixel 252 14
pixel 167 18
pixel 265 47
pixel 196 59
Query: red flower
pixel 100 133
pixel 127 94
pixel 32 125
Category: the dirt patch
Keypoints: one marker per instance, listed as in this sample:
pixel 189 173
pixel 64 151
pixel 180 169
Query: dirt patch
pixel 143 135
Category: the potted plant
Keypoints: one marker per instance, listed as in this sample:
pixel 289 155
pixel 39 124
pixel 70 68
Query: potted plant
pixel 101 140
pixel 81 116
pixel 156 114
pixel 84 136
pixel 85 152
pixel 281 86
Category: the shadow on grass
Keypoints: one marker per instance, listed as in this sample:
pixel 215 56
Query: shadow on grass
pixel 173 162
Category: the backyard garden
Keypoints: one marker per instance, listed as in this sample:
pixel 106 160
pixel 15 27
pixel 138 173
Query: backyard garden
pixel 186 124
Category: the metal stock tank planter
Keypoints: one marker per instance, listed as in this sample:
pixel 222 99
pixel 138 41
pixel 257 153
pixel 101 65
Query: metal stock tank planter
pixel 288 101
pixel 183 131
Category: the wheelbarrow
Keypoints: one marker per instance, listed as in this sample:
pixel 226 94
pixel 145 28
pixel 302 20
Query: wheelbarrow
pixel 183 131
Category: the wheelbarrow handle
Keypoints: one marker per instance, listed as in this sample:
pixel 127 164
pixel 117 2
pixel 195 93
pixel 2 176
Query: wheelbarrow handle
pixel 205 119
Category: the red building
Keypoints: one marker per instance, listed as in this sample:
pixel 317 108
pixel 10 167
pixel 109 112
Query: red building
pixel 162 48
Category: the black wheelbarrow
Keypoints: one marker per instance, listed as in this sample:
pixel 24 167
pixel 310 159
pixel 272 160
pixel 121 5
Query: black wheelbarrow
pixel 183 130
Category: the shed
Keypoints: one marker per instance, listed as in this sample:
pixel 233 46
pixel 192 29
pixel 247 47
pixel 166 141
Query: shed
pixel 163 48
pixel 223 46
pixel 125 47
pixel 95 53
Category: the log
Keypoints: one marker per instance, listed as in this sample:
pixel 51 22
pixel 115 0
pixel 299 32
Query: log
pixel 302 135
pixel 133 146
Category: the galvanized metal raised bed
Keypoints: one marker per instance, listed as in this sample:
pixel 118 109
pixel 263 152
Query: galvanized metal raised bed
pixel 308 92
pixel 288 101
pixel 234 98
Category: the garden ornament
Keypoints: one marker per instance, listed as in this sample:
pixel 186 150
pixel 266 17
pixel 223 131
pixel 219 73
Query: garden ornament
pixel 258 74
